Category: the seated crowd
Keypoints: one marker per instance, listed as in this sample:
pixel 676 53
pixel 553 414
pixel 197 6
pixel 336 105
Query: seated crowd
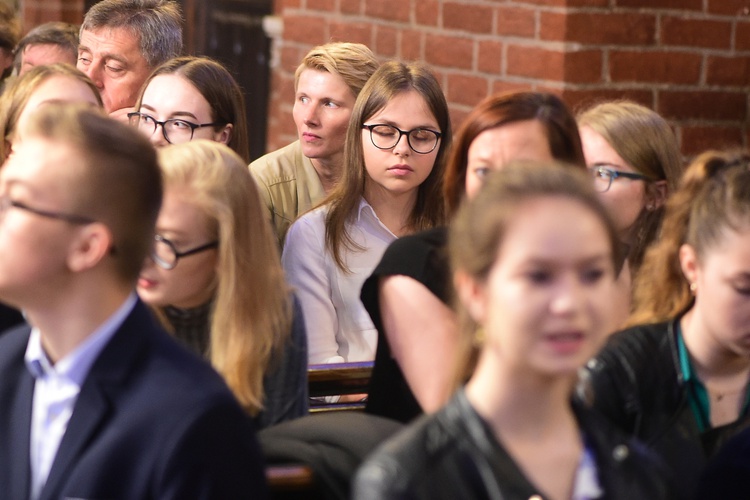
pixel 552 302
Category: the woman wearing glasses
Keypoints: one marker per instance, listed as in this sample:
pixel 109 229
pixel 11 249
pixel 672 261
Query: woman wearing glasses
pixel 396 144
pixel 678 380
pixel 216 282
pixel 633 155
pixel 190 98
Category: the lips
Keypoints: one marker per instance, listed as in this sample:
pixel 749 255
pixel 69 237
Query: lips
pixel 565 342
pixel 146 283
pixel 400 169
pixel 307 136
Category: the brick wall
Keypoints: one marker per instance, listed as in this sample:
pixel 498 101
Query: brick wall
pixel 687 59
pixel 36 12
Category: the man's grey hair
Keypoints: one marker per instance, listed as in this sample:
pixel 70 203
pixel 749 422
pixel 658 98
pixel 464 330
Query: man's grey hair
pixel 157 24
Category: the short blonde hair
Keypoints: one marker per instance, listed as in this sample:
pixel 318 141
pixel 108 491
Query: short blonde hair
pixel 353 62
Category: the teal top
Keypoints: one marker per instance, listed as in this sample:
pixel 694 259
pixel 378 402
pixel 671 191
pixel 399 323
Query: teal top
pixel 697 392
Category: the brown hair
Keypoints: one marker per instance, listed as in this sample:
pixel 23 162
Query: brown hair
pixel 479 227
pixel 391 79
pixel 251 312
pixel 646 142
pixel 120 183
pixel 714 195
pixel 220 89
pixel 502 109
pixel 14 99
pixel 64 35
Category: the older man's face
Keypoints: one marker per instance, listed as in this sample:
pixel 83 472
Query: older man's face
pixel 112 59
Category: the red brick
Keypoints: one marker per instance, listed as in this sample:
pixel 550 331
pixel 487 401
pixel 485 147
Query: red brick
pixel 695 32
pixel 598 28
pixel 306 29
pixel 501 86
pixel 411 45
pixel 466 17
pixel 351 32
pixel 581 99
pixel 449 51
pixel 290 58
pixel 386 41
pixel 742 36
pixel 662 4
pixel 654 67
pixel 729 7
pixel 515 21
pixel 703 105
pixel 573 67
pixel 569 3
pixel 490 58
pixel 728 70
pixel 426 12
pixel 288 4
pixel 466 89
pixel 458 115
pixel 350 6
pixel 392 10
pixel 697 139
pixel 326 5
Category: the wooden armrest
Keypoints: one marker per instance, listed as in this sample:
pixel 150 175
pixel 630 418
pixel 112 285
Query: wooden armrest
pixel 339 378
pixel 289 477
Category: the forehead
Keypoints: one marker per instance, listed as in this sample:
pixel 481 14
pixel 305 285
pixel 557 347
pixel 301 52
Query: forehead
pixel 407 108
pixel 313 81
pixel 46 53
pixel 49 166
pixel 521 140
pixel 118 42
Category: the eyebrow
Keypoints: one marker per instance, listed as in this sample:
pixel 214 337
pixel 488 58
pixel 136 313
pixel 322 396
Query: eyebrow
pixel 393 124
pixel 176 113
pixel 105 55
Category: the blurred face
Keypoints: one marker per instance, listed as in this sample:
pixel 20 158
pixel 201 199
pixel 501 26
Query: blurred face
pixel 399 170
pixel 545 305
pixel 173 97
pixel 44 53
pixel 34 248
pixel 192 281
pixel 722 295
pixel 494 148
pixel 625 198
pixel 112 58
pixel 59 88
pixel 322 106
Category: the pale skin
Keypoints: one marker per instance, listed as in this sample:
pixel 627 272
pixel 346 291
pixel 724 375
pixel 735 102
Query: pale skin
pixel 408 308
pixel 62 276
pixel 715 329
pixel 544 312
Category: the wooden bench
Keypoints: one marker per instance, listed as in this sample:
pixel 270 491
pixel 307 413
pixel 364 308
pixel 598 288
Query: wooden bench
pixel 337 379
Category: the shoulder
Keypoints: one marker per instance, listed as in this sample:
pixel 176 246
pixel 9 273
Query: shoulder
pixel 12 348
pixel 636 346
pixel 278 166
pixel 308 224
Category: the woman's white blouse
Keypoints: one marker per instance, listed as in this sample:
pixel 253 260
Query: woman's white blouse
pixel 338 326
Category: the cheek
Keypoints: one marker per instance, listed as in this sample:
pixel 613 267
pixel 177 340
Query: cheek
pixel 473 184
pixel 624 203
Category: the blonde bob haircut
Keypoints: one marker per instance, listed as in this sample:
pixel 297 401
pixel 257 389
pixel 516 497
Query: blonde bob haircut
pixel 353 62
pixel 17 95
pixel 391 79
pixel 251 314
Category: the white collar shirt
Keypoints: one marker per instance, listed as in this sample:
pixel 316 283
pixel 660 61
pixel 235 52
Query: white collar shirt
pixel 56 390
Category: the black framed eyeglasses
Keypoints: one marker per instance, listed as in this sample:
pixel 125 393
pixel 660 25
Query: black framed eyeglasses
pixel 421 140
pixel 6 203
pixel 175 130
pixel 604 174
pixel 166 256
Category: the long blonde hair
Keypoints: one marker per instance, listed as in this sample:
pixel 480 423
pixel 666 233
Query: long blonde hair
pixel 714 195
pixel 251 313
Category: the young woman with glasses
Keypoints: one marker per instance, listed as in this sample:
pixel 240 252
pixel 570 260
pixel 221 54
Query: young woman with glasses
pixel 396 144
pixel 216 281
pixel 678 379
pixel 408 294
pixel 190 98
pixel 634 158
pixel 534 256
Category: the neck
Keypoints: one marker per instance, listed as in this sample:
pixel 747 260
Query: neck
pixel 709 358
pixel 328 170
pixel 518 404
pixel 393 209
pixel 68 319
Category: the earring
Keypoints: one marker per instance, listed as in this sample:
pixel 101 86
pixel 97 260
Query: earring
pixel 479 337
pixel 693 288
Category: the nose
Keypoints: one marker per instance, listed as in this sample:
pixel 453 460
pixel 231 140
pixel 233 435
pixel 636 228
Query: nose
pixel 94 72
pixel 159 137
pixel 568 297
pixel 402 147
pixel 310 115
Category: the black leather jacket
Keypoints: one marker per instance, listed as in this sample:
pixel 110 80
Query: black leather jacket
pixel 453 454
pixel 637 384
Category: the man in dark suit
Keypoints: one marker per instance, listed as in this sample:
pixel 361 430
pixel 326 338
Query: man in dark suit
pixel 96 401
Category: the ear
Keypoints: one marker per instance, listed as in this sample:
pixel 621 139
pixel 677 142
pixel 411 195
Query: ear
pixel 472 295
pixel 224 135
pixel 93 243
pixel 689 263
pixel 657 194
